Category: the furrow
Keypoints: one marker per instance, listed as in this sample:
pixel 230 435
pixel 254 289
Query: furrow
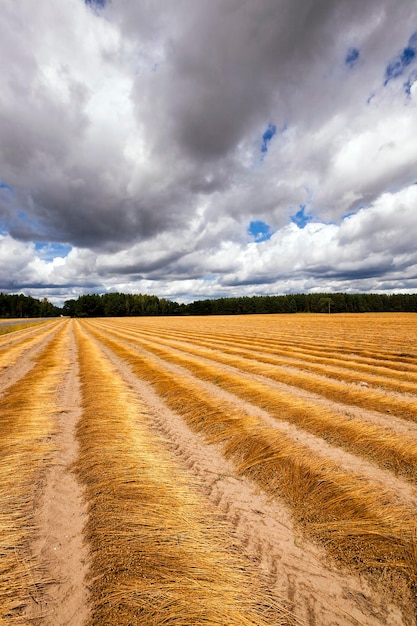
pixel 368 398
pixel 325 361
pixel 300 571
pixel 17 359
pixel 358 523
pixel 27 425
pixel 397 452
pixel 158 555
pixel 345 336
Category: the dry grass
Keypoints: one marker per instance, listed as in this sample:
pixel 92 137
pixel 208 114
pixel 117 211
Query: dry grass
pixel 346 370
pixel 25 448
pixel 335 390
pixel 13 351
pixel 158 556
pixel 17 325
pixel 397 452
pixel 357 521
pixel 375 337
pixel 11 328
pixel 345 365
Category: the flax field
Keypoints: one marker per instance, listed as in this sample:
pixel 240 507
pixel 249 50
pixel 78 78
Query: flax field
pixel 239 470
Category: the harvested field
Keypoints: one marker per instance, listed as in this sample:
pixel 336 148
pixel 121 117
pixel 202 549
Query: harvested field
pixel 221 470
pixel 11 325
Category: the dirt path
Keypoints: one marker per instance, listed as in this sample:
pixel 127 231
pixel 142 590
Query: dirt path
pixel 60 517
pixel 321 594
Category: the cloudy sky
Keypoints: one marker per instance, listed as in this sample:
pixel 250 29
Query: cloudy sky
pixel 203 148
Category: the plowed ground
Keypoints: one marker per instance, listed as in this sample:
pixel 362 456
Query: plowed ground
pixel 221 470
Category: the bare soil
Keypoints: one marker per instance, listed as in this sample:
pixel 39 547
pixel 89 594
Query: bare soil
pixel 60 517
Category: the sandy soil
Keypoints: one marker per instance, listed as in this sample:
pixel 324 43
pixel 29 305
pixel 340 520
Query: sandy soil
pixel 60 516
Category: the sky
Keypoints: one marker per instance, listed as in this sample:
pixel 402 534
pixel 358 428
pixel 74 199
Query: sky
pixel 193 149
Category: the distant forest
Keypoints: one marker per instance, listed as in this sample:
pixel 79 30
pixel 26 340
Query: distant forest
pixel 122 305
pixel 13 305
pixel 119 305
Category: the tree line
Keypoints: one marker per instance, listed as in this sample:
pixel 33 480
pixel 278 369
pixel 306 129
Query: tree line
pixel 122 305
pixel 307 303
pixel 18 305
pixel 119 304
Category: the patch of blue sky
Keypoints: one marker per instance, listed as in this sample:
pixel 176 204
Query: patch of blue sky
pixel 5 186
pixel 49 251
pixel 352 57
pixel 29 220
pixel 398 65
pixel 300 218
pixel 352 213
pixel 210 278
pixel 260 231
pixel 4 228
pixel 408 56
pixel 96 4
pixel 412 78
pixel 267 137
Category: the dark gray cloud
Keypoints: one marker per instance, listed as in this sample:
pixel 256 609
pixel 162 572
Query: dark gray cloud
pixel 228 69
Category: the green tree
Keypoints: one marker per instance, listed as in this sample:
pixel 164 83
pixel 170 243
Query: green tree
pixel 325 304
